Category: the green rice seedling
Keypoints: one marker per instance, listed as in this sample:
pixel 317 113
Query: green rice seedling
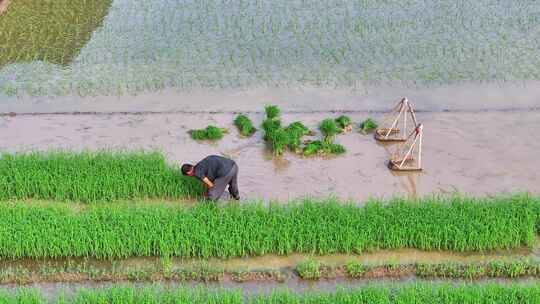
pixel 496 269
pixel 92 176
pixel 408 293
pixel 472 271
pixel 517 269
pixel 344 122
pixel 336 149
pixel 272 112
pixel 355 269
pixel 295 131
pixel 211 133
pixel 279 139
pixel 270 125
pixel 166 267
pixel 309 269
pixel 368 126
pixel 244 125
pixel 329 129
pixel 308 226
pixel 299 127
pixel 313 148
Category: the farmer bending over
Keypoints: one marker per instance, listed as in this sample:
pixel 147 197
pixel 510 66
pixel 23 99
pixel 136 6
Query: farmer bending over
pixel 216 173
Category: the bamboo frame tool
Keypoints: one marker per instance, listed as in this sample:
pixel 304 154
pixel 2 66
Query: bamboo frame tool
pixel 409 161
pixel 393 133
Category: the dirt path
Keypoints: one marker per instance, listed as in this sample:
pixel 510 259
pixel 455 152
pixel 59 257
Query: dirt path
pixel 475 153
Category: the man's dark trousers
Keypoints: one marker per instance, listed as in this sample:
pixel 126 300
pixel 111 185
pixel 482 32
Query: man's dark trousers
pixel 230 179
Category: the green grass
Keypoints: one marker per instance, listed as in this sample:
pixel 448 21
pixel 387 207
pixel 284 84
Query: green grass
pixel 92 176
pixel 204 231
pixel 368 126
pixel 422 293
pixel 51 31
pixel 211 133
pixel 244 125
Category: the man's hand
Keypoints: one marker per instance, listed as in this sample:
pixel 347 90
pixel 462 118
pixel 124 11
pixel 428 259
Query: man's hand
pixel 207 182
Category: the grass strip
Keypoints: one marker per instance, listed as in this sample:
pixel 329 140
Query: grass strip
pixel 317 227
pixel 92 176
pixel 51 31
pixel 404 294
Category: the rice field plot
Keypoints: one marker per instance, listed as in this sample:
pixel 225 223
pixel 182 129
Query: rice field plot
pixel 49 31
pixel 92 176
pixel 423 293
pixel 152 45
pixel 251 229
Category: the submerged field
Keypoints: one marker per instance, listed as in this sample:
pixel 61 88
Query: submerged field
pixel 49 31
pixel 151 45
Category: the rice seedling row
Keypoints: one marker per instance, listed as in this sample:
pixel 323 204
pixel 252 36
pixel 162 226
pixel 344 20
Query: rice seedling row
pixel 312 269
pixel 316 227
pixel 152 45
pixel 92 176
pixel 404 294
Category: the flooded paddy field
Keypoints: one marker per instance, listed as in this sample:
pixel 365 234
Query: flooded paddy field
pixel 476 153
pixel 146 46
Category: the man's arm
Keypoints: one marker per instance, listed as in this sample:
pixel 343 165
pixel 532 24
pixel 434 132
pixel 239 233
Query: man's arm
pixel 208 182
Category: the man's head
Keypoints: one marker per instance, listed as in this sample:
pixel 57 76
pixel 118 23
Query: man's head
pixel 188 169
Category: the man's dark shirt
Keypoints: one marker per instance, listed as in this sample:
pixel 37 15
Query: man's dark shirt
pixel 213 167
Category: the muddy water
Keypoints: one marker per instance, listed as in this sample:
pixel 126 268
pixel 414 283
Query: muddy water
pixel 469 97
pixel 473 152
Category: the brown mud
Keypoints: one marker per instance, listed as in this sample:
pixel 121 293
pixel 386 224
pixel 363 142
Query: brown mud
pixel 477 153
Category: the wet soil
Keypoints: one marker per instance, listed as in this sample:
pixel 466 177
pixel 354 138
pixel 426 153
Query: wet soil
pixel 478 153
